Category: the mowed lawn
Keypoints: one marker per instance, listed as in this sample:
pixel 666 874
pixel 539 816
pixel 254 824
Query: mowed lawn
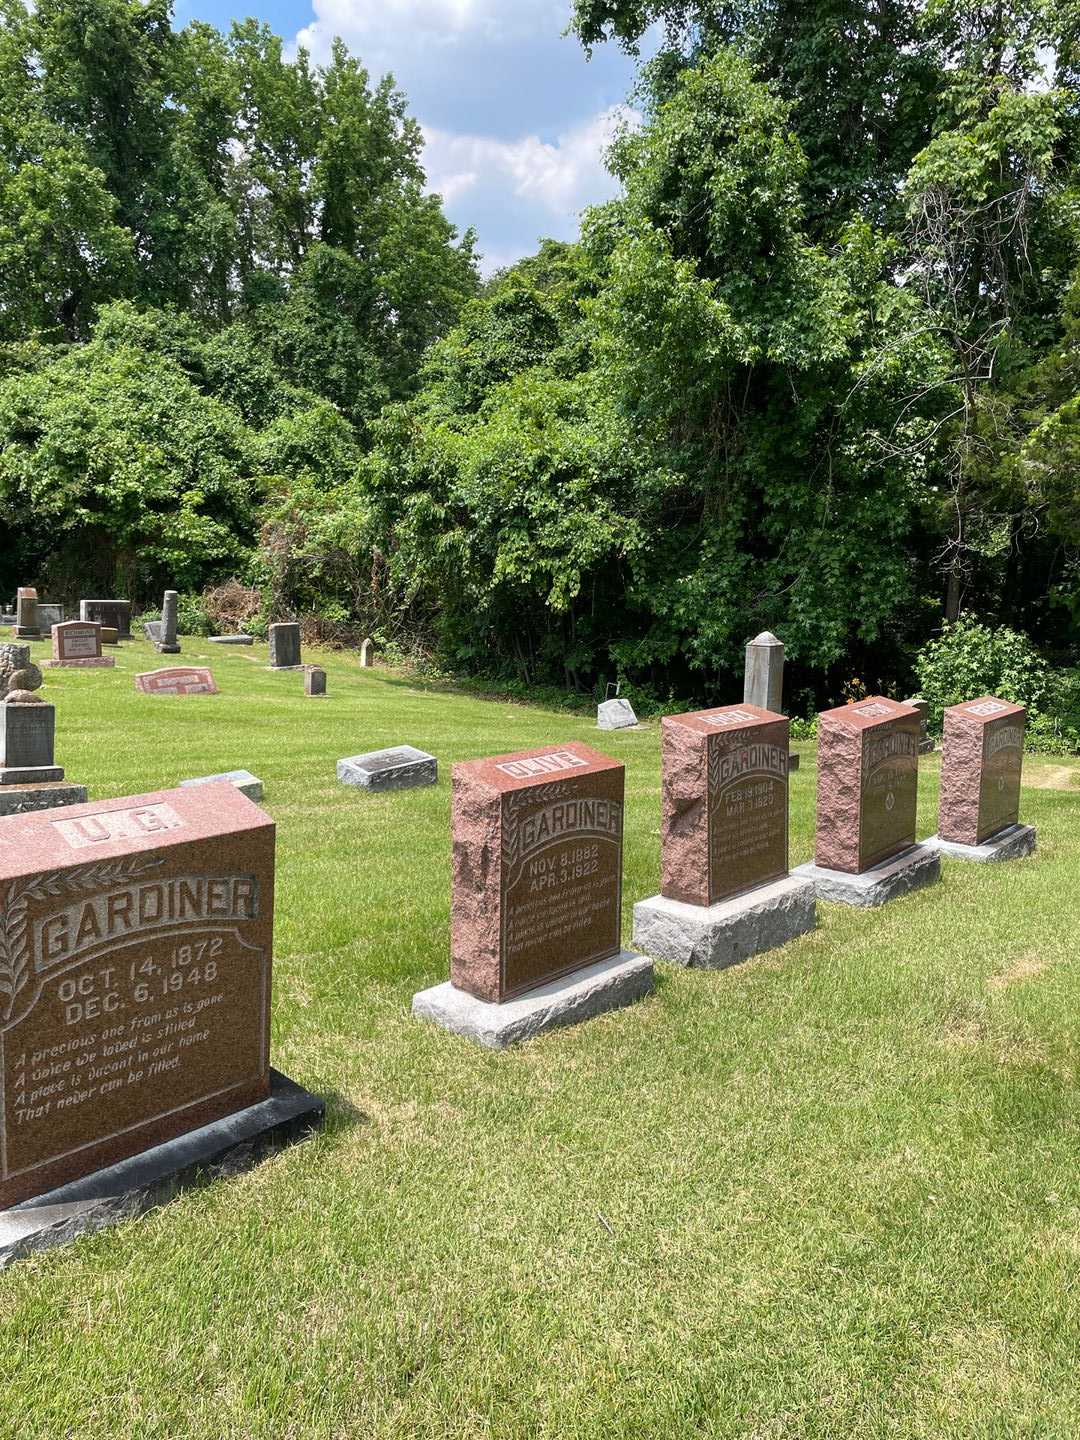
pixel 833 1192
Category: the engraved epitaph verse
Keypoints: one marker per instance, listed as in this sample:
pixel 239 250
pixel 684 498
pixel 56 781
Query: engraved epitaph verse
pixel 134 995
pixel 748 814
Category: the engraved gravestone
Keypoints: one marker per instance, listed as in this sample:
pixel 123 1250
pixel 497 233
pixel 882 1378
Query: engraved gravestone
pixel 725 890
pixel 135 955
pixel 315 680
pixel 112 614
pixel 724 823
pixel 868 774
pixel 285 646
pixel 76 644
pixel 537 868
pixel 981 763
pixel 27 621
pixel 179 680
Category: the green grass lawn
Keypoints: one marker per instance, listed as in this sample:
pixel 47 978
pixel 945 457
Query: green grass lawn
pixel 833 1192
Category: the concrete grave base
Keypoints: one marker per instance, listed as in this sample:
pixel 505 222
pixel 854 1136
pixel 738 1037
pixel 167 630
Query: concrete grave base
pixel 85 662
pixel 712 937
pixel 1012 843
pixel 230 639
pixel 22 799
pixel 594 990
pixel 917 866
pixel 248 784
pixel 284 669
pixel 402 767
pixel 123 1191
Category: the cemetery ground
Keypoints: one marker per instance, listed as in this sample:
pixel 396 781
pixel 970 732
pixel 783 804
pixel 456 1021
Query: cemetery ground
pixel 834 1191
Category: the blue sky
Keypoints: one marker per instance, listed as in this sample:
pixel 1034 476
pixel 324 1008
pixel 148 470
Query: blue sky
pixel 515 117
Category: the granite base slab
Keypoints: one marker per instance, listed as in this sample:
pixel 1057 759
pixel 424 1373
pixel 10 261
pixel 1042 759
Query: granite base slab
pixel 22 799
pixel 712 937
pixel 402 767
pixel 85 662
pixel 1012 843
pixel 912 869
pixel 121 1192
pixel 594 990
pixel 230 639
pixel 284 669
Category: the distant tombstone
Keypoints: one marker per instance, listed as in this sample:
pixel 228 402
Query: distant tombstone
pixel 401 767
pixel 76 644
pixel 725 891
pixel 152 631
pixel 168 643
pixel 315 680
pixel 981 765
pixel 367 654
pixel 49 615
pixel 285 646
pixel 926 745
pixel 27 740
pixel 112 614
pixel 136 1007
pixel 615 713
pixel 763 683
pixel 109 635
pixel 179 680
pixel 27 621
pixel 536 899
pixel 242 780
pixel 763 680
pixel 867 793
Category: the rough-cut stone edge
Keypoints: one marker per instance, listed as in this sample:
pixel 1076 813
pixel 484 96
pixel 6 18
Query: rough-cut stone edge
pixel 13 798
pixel 712 937
pixel 1015 842
pixel 30 774
pixel 152 1178
pixel 595 990
pixel 920 865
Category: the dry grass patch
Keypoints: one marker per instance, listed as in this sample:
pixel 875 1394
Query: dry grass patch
pixel 1026 968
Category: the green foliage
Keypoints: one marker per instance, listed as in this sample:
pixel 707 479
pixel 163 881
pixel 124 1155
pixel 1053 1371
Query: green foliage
pixel 970 659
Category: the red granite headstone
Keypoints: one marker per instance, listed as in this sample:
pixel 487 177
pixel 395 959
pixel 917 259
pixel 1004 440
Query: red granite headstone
pixel 982 758
pixel 868 777
pixel 537 867
pixel 724 825
pixel 179 680
pixel 135 956
pixel 77 644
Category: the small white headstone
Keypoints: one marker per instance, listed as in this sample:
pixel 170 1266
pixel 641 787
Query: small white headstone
pixel 615 715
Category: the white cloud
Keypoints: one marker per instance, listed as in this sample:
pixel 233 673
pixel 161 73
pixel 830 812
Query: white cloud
pixel 561 177
pixel 383 27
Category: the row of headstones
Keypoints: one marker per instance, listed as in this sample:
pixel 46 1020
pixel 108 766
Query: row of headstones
pixel 33 619
pixel 137 932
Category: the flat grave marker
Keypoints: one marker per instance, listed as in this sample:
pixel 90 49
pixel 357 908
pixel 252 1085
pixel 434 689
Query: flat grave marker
pixel 401 767
pixel 177 680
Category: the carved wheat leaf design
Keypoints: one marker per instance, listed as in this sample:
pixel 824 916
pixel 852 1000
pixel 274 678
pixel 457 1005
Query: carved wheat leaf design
pixel 14 936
